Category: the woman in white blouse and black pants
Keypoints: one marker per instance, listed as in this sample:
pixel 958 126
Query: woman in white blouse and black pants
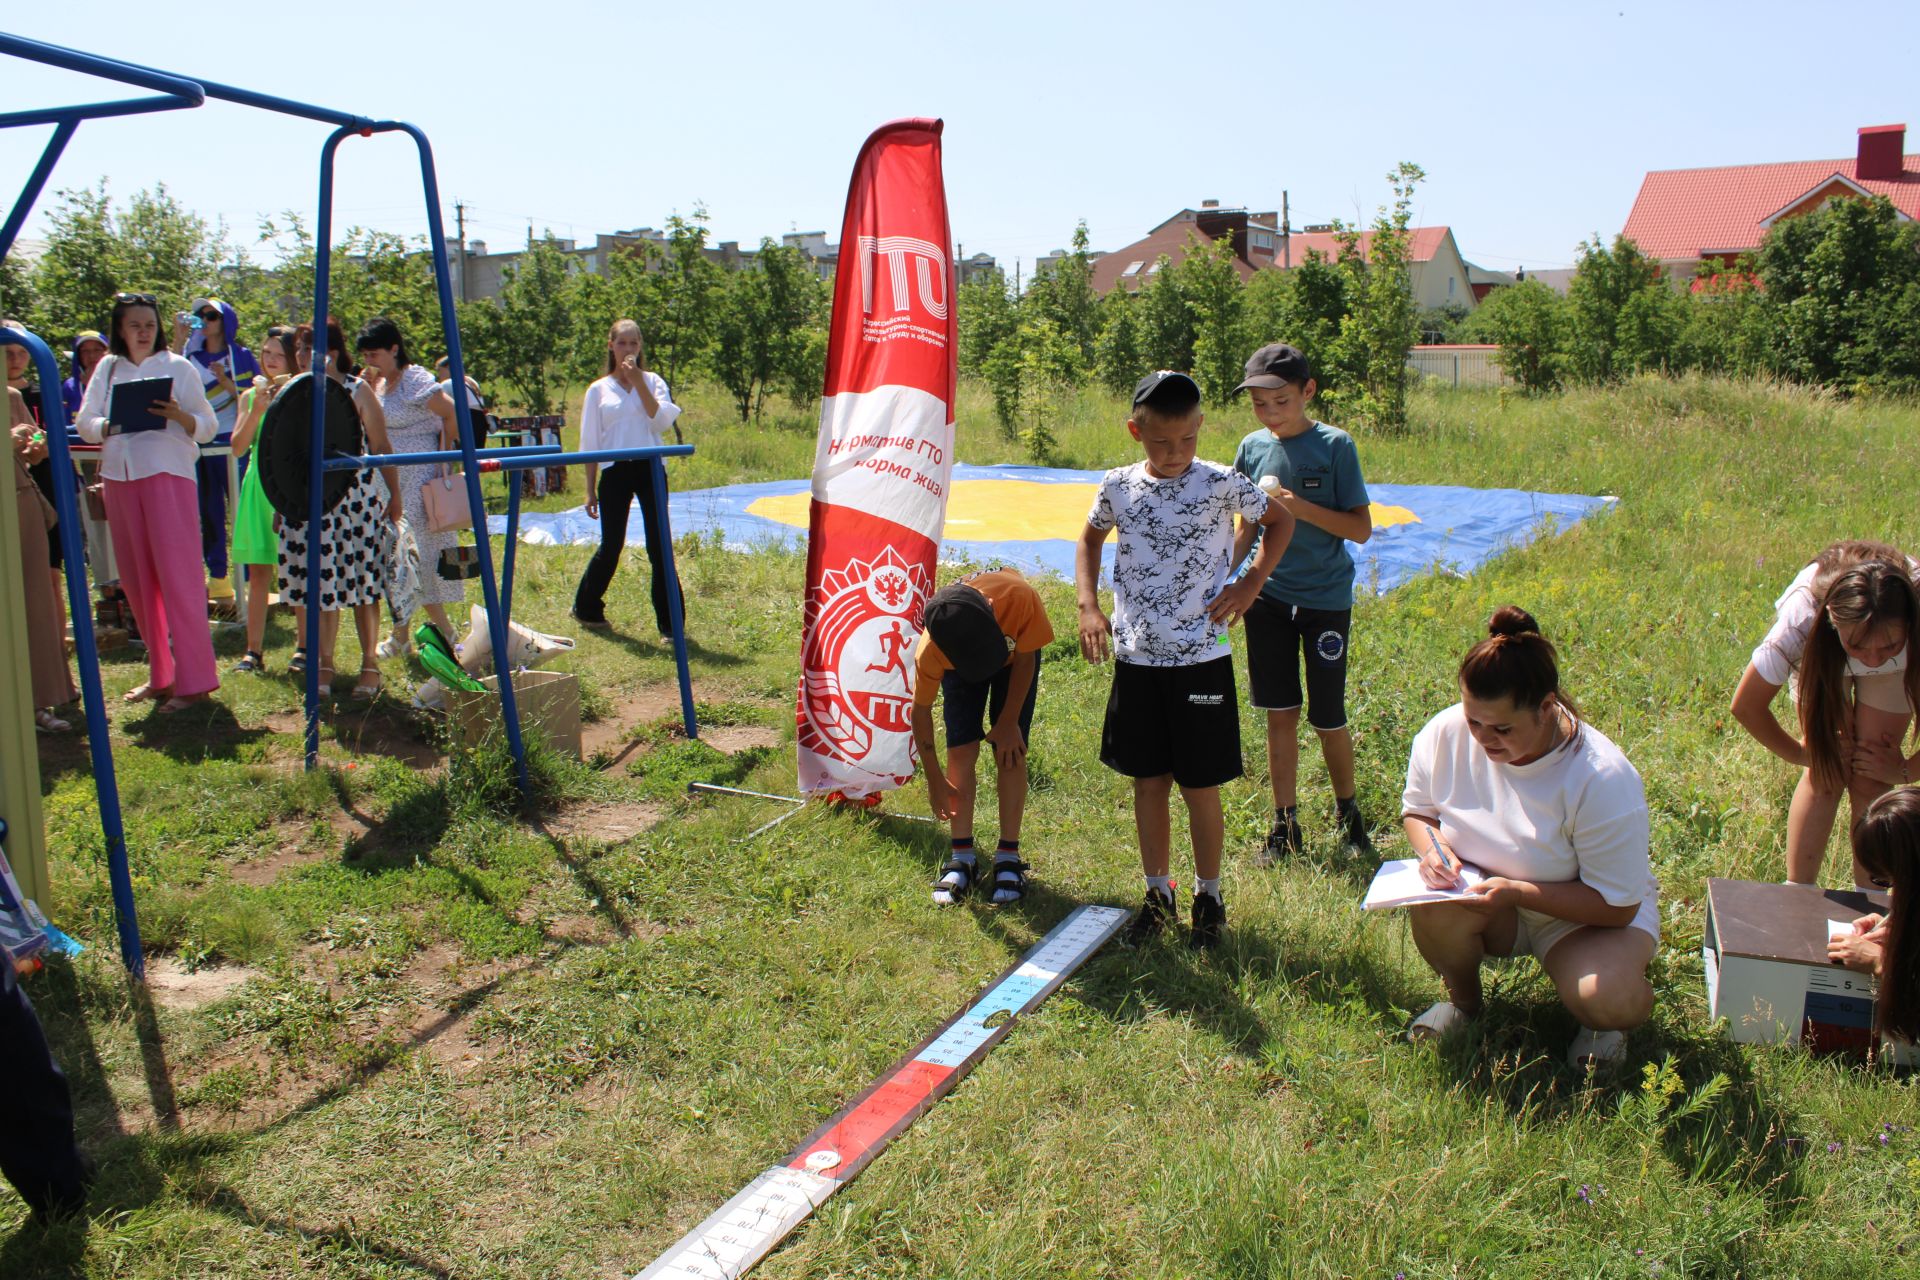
pixel 627 409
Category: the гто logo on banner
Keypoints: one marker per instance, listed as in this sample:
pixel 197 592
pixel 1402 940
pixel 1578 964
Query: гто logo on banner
pixel 904 255
pixel 858 666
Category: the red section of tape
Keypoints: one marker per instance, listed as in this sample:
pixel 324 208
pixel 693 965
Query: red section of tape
pixel 865 1127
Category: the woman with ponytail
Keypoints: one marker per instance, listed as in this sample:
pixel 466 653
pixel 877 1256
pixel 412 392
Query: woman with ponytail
pixel 1840 641
pixel 1512 782
pixel 1886 845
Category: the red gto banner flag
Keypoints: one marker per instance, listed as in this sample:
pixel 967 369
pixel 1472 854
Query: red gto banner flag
pixel 881 467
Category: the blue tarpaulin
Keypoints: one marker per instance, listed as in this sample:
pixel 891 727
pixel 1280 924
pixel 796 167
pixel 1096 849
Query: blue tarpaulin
pixel 1029 518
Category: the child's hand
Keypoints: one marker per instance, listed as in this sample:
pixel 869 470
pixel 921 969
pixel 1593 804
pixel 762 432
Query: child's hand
pixel 1096 633
pixel 940 796
pixel 1232 604
pixel 1009 746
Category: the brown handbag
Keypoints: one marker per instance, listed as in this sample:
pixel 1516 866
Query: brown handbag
pixel 445 498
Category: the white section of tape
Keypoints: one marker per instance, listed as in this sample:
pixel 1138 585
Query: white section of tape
pixel 744 1229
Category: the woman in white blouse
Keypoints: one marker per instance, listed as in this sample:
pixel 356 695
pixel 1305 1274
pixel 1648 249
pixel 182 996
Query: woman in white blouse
pixel 1511 782
pixel 629 408
pixel 153 507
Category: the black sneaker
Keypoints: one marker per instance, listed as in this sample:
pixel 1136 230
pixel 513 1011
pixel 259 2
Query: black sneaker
pixel 1154 914
pixel 1283 841
pixel 1209 922
pixel 1353 830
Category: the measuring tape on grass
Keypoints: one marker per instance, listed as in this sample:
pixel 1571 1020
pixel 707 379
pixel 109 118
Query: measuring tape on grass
pixel 746 1228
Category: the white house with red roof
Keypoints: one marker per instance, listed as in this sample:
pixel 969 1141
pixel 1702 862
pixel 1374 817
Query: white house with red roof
pixel 1683 217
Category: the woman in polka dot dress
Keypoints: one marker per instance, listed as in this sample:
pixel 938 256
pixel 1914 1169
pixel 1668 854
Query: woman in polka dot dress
pixel 420 419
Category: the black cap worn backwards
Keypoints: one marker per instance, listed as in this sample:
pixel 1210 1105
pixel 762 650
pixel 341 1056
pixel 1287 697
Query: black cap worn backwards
pixel 961 622
pixel 1276 365
pixel 1165 391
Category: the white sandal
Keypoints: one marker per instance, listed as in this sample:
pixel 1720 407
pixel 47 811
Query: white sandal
pixel 1592 1049
pixel 1435 1022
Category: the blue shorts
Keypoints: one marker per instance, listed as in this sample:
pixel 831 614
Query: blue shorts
pixel 969 708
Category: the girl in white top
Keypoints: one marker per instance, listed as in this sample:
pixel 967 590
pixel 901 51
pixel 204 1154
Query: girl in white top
pixel 1511 781
pixel 1841 641
pixel 153 509
pixel 627 409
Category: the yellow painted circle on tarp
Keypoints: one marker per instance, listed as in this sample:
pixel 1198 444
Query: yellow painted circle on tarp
pixel 1012 511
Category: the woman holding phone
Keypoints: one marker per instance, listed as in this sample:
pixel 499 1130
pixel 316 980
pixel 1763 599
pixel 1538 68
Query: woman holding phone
pixel 153 508
pixel 1511 781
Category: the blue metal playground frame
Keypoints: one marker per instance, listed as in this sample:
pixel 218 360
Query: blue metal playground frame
pixel 176 93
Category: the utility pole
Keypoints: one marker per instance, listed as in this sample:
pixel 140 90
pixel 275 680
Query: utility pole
pixel 1286 231
pixel 460 251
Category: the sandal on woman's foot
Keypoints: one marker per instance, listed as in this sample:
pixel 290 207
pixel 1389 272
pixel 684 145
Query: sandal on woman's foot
pixel 252 663
pixel 367 690
pixel 956 880
pixel 1436 1022
pixel 1009 880
pixel 47 722
pixel 147 693
pixel 298 662
pixel 173 705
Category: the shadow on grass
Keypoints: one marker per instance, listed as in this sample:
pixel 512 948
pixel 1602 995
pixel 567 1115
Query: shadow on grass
pixel 346 1242
pixel 204 731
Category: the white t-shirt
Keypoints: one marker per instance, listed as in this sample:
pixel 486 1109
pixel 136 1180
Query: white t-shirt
pixel 137 455
pixel 1777 658
pixel 612 417
pixel 1577 813
pixel 1175 552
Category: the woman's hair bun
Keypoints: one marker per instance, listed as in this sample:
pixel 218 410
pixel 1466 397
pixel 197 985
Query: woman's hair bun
pixel 1511 620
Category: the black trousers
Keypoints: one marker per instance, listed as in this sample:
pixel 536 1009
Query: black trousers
pixel 38 1154
pixel 618 486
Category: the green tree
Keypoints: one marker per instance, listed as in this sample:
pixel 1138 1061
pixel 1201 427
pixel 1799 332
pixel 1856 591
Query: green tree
pixel 1319 303
pixel 1210 281
pixel 1166 321
pixel 1528 320
pixel 1840 288
pixel 987 317
pixel 677 298
pixel 1117 361
pixel 769 331
pixel 17 298
pixel 1726 330
pixel 1063 295
pixel 153 245
pixel 524 337
pixel 1382 327
pixel 1611 286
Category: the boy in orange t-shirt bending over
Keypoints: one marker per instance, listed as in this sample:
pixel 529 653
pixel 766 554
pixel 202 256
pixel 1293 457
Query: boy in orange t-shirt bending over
pixel 980 646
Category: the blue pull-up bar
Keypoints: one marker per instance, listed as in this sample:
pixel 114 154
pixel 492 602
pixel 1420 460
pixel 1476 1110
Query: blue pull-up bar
pixel 174 93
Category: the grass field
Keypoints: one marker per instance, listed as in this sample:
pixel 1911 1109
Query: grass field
pixel 398 1030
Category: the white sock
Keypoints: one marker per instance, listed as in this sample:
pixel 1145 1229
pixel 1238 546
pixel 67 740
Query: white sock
pixel 943 891
pixel 1209 887
pixel 1003 896
pixel 1162 883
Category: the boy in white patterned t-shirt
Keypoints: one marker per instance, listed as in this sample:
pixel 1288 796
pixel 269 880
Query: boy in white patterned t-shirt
pixel 1172 716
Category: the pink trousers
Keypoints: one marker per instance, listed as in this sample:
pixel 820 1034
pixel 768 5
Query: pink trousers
pixel 155 526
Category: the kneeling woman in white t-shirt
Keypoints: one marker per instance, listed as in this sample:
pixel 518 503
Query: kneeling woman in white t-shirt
pixel 1510 780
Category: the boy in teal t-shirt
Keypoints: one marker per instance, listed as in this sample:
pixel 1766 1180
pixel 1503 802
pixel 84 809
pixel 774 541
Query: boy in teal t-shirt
pixel 1306 607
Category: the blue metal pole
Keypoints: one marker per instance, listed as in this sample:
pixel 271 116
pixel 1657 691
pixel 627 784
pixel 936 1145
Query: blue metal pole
pixel 675 610
pixel 512 551
pixel 36 182
pixel 322 266
pixel 87 654
pixel 496 616
pixel 54 55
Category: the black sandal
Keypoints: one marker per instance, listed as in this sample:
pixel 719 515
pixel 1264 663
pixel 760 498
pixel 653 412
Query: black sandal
pixel 252 663
pixel 966 869
pixel 1009 876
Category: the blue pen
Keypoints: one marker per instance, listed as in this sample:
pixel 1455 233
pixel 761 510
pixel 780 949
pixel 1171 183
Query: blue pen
pixel 1433 842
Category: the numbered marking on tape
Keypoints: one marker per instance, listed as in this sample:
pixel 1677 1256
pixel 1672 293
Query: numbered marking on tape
pixel 746 1228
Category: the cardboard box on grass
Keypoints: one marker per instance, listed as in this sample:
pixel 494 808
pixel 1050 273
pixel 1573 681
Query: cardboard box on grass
pixel 549 703
pixel 1767 969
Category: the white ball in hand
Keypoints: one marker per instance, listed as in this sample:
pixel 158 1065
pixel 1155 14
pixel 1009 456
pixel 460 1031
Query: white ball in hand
pixel 1269 483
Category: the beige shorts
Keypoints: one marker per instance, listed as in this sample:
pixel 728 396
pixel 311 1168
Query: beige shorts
pixel 1540 933
pixel 1884 692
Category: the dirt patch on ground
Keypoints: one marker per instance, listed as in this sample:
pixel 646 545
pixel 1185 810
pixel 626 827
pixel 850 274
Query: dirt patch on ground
pixel 296 844
pixel 609 733
pixel 366 731
pixel 453 990
pixel 175 987
pixel 603 823
pixel 735 738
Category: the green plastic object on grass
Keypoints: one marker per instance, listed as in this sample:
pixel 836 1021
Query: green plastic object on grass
pixel 448 671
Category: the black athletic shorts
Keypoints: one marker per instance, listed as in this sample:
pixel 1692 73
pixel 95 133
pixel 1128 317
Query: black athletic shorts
pixel 1277 637
pixel 1179 720
pixel 970 709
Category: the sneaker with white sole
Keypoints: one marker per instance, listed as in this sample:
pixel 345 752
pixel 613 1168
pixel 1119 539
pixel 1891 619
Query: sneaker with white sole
pixel 394 646
pixel 1592 1050
pixel 1435 1022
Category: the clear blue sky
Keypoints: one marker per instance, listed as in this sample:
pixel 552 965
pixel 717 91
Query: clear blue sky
pixel 1534 123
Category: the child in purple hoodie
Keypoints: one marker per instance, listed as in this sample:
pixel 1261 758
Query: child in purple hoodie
pixel 225 368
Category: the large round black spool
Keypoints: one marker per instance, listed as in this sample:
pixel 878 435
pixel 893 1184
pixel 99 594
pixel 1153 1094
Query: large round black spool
pixel 286 446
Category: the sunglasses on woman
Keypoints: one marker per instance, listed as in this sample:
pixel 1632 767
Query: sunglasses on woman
pixel 136 299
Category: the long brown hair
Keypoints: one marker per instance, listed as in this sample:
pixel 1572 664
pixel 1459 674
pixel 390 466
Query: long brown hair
pixel 1515 661
pixel 1886 840
pixel 618 325
pixel 1854 584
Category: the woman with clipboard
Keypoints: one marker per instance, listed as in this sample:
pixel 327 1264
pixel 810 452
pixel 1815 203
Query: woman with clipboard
pixel 146 407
